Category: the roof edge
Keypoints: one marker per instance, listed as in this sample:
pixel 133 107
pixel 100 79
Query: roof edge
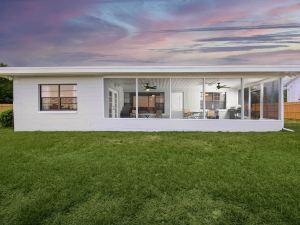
pixel 16 71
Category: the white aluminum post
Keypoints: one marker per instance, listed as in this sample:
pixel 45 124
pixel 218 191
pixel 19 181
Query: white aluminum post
pixel 170 98
pixel 242 99
pixel 204 106
pixel 103 93
pixel 136 98
pixel 281 102
pixel 261 105
pixel 249 103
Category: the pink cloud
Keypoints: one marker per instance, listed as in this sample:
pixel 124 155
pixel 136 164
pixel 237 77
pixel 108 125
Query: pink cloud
pixel 42 31
pixel 286 9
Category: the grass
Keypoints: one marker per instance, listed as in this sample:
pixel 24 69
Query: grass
pixel 149 178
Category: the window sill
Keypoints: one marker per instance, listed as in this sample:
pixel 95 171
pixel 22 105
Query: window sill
pixel 57 112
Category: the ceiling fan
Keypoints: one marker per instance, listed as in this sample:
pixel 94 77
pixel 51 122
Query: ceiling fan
pixel 147 87
pixel 219 86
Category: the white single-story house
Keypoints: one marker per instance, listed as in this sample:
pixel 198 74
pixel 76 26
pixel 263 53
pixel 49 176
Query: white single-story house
pixel 293 90
pixel 140 98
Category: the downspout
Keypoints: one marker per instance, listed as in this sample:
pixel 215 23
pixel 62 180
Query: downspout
pixel 287 129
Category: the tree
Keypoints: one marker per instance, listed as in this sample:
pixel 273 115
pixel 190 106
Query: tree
pixel 6 89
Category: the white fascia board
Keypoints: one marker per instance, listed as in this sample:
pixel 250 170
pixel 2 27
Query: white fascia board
pixel 148 70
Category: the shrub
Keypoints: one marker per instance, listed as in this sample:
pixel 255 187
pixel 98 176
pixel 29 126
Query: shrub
pixel 7 118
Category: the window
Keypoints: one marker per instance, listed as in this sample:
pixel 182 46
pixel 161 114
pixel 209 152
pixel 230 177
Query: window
pixel 255 93
pixel 153 98
pixel 215 100
pixel 151 102
pixel 58 97
pixel 246 103
pixel 271 100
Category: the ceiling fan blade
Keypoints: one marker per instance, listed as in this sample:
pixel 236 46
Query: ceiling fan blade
pixel 219 86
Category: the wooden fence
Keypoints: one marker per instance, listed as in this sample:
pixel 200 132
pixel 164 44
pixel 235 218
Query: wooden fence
pixel 292 110
pixel 4 107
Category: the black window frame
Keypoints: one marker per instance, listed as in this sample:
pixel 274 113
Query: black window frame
pixel 59 98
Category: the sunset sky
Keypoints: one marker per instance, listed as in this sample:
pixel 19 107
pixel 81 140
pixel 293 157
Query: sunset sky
pixel 149 32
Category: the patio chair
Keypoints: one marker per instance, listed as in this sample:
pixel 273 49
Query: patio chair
pixel 187 113
pixel 211 114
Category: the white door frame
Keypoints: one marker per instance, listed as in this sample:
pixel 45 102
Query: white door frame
pixel 114 104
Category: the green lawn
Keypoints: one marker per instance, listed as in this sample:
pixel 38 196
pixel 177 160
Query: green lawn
pixel 149 178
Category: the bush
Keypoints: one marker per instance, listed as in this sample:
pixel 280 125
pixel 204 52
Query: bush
pixel 7 118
